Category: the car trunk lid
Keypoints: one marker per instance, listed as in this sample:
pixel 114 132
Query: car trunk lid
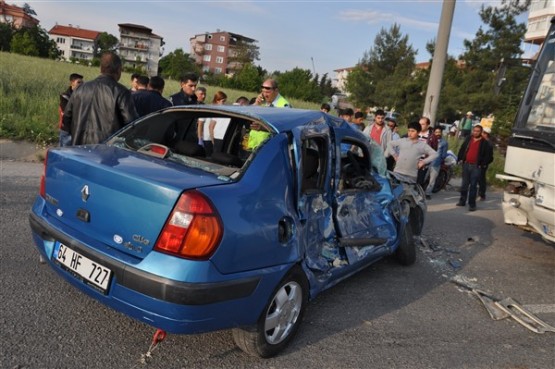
pixel 119 198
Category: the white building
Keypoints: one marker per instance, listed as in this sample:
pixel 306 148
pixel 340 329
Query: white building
pixel 140 48
pixel 74 42
pixel 539 21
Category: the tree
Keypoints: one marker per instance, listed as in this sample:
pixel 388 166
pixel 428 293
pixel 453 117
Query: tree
pixel 177 63
pixel 298 83
pixel 107 42
pixel 495 47
pixel 248 78
pixel 384 73
pixel 33 41
pixel 243 53
pixel 6 34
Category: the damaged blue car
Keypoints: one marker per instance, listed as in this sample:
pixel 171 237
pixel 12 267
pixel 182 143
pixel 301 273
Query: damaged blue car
pixel 285 204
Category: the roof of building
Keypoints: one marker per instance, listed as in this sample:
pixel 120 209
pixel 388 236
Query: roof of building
pixel 6 8
pixel 72 31
pixel 135 26
pixel 235 35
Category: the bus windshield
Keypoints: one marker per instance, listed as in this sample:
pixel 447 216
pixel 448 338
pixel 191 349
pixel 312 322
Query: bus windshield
pixel 539 102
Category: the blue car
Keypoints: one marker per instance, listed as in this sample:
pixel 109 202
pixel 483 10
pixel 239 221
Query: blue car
pixel 288 203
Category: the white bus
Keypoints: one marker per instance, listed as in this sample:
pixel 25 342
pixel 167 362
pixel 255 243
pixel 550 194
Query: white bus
pixel 529 195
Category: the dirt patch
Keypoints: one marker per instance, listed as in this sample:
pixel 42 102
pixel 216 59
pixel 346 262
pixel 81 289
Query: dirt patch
pixel 21 151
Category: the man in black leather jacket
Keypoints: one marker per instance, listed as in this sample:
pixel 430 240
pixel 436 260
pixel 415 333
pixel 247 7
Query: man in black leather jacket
pixel 100 107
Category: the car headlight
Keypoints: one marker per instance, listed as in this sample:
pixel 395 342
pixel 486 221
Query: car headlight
pixel 514 203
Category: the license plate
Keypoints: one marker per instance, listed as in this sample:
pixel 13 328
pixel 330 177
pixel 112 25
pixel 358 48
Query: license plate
pixel 82 267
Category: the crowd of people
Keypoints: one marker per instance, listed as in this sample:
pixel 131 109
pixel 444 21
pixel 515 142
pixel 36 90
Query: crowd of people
pixel 92 111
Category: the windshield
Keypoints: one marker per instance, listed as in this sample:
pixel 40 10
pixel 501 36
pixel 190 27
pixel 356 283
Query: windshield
pixel 537 112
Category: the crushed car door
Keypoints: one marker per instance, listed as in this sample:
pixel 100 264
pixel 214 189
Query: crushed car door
pixel 365 225
pixel 313 159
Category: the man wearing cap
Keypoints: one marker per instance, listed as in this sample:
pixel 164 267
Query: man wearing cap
pixel 482 184
pixel 465 125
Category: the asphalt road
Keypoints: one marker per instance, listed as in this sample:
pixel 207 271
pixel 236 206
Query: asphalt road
pixel 387 316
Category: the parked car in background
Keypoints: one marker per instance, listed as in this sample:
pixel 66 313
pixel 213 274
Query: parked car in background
pixel 149 225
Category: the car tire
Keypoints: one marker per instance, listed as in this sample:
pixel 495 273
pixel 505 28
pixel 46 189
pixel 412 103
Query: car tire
pixel 406 251
pixel 280 319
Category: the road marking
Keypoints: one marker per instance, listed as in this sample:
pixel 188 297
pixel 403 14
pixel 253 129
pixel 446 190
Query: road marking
pixel 542 308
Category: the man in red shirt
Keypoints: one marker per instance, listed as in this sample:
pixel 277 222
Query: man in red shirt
pixel 474 155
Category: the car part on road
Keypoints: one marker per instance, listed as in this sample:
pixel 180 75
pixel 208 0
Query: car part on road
pixel 499 309
pixel 523 316
pixel 157 338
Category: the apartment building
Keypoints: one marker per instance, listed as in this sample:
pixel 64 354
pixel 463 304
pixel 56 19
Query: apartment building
pixel 216 51
pixel 17 16
pixel 539 21
pixel 74 42
pixel 140 48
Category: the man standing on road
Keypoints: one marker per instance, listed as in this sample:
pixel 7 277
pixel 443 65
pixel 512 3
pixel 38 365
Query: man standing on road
pixel 474 154
pixel 408 152
pixel 270 95
pixel 100 107
pixel 186 96
pixel 435 165
pixel 482 182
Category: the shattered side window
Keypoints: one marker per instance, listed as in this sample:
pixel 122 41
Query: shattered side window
pixel 313 164
pixel 356 168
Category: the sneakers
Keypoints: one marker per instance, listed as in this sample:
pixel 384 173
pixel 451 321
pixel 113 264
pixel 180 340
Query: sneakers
pixel 428 197
pixel 460 203
pixel 483 198
pixel 472 208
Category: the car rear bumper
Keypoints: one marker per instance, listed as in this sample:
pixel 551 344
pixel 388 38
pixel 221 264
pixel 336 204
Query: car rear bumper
pixel 175 306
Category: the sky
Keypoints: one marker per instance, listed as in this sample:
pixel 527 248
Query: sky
pixel 320 36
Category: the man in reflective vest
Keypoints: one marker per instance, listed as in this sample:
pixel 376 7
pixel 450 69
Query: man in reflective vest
pixel 270 96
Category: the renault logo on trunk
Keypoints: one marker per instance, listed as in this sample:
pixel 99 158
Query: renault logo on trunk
pixel 85 193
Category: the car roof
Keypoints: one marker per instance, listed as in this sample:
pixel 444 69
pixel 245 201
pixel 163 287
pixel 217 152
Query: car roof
pixel 281 119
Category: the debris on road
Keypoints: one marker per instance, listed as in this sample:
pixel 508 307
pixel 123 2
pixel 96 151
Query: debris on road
pixel 499 308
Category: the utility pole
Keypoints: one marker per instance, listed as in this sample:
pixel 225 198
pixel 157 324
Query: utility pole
pixel 313 69
pixel 438 61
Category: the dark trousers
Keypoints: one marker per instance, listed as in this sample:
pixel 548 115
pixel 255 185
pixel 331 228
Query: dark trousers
pixel 470 178
pixel 482 182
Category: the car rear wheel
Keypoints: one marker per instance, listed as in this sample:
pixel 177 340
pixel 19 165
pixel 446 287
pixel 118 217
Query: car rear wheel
pixel 406 252
pixel 279 321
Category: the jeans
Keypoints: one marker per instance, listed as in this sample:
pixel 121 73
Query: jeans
pixel 434 171
pixel 65 138
pixel 482 182
pixel 470 177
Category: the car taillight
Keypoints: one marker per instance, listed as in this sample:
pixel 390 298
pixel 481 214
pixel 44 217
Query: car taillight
pixel 42 190
pixel 193 229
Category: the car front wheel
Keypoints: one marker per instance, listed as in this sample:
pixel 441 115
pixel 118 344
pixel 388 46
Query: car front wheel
pixel 406 251
pixel 279 321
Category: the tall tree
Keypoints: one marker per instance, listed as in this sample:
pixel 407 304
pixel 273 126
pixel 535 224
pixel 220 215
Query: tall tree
pixel 177 63
pixel 381 76
pixel 6 34
pixel 496 47
pixel 107 42
pixel 33 41
pixel 243 53
pixel 300 84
